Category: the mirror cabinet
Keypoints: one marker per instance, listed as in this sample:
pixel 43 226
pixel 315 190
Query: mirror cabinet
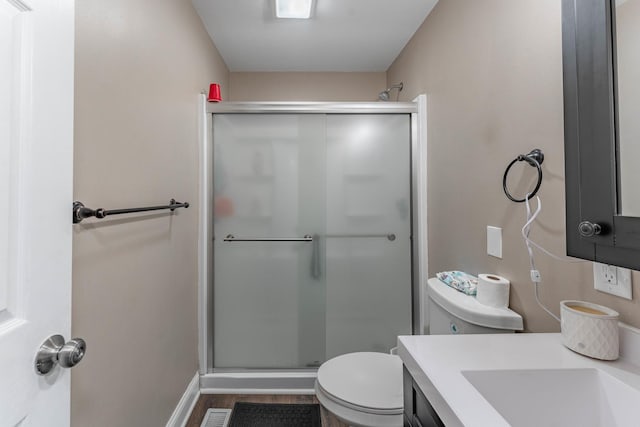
pixel 601 69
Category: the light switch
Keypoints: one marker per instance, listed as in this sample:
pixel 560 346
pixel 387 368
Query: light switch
pixel 494 241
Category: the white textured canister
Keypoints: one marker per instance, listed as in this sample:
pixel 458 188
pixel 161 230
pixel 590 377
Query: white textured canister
pixel 590 329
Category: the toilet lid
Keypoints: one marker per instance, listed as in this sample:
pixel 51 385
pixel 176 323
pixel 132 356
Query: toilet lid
pixel 368 380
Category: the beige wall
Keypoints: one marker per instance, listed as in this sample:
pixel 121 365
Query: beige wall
pixel 140 66
pixel 298 86
pixel 492 71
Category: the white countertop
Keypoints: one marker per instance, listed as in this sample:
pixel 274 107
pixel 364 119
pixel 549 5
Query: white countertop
pixel 436 363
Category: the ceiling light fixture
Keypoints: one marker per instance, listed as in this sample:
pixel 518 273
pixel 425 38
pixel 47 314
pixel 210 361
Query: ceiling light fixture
pixel 296 9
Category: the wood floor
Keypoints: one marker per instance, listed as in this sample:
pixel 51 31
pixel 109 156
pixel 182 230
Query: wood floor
pixel 207 401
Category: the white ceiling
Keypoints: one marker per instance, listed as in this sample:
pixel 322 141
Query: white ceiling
pixel 342 35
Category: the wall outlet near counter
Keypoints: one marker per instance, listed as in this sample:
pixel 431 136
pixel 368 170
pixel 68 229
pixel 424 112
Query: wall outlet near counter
pixel 612 280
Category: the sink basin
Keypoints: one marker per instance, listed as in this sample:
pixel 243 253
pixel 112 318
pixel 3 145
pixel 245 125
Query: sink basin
pixel 558 397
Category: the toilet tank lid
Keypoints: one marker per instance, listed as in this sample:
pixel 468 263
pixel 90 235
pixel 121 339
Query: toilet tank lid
pixel 467 308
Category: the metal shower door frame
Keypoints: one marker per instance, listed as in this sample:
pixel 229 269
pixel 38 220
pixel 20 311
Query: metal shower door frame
pixel 298 380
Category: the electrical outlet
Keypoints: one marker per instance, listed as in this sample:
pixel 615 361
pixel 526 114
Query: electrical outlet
pixel 612 280
pixel 609 274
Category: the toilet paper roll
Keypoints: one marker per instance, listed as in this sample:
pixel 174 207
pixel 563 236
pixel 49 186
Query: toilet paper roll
pixel 493 290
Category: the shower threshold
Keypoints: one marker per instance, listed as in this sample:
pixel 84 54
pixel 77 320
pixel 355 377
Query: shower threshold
pixel 259 382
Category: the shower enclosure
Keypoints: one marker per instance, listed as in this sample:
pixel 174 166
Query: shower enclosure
pixel 309 216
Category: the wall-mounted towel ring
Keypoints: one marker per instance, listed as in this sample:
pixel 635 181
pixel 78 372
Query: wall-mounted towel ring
pixel 535 159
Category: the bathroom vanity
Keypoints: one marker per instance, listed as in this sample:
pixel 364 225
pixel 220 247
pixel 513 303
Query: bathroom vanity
pixel 418 412
pixel 517 380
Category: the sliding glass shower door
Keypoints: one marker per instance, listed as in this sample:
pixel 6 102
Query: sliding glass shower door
pixel 269 196
pixel 312 250
pixel 368 240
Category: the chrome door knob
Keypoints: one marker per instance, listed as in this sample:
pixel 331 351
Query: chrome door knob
pixel 589 229
pixel 55 351
pixel 72 353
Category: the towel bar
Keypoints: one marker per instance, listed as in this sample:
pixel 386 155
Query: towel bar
pixel 80 211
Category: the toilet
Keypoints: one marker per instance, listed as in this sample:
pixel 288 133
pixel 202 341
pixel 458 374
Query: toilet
pixel 365 389
pixel 362 389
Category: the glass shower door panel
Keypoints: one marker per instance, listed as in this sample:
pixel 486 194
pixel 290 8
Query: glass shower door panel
pixel 368 244
pixel 268 296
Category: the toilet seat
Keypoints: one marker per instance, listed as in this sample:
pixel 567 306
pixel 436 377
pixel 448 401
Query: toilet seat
pixel 363 389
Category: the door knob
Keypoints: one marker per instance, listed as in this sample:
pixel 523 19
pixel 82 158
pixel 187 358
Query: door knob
pixel 55 351
pixel 72 353
pixel 589 229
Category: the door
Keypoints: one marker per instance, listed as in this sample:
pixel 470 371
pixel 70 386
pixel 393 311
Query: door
pixel 269 213
pixel 36 166
pixel 368 241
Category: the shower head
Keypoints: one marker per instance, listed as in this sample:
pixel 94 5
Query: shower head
pixel 384 95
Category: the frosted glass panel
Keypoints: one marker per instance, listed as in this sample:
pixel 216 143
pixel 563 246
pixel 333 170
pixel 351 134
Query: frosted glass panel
pixel 343 179
pixel 368 196
pixel 268 296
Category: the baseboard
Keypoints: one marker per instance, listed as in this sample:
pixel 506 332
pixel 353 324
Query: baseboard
pixel 187 402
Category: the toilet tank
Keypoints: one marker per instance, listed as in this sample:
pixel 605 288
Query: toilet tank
pixel 452 312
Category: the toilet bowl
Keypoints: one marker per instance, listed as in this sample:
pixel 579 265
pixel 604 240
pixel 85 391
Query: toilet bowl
pixel 362 389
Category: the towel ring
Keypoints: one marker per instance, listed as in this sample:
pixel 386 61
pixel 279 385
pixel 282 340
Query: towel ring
pixel 535 159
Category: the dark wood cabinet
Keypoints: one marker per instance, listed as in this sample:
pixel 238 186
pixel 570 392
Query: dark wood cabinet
pixel 596 229
pixel 418 412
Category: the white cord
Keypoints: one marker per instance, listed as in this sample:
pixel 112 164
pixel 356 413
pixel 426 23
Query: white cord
pixel 535 274
pixel 535 287
pixel 525 233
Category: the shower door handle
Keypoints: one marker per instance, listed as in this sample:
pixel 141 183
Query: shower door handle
pixel 232 238
pixel 316 259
